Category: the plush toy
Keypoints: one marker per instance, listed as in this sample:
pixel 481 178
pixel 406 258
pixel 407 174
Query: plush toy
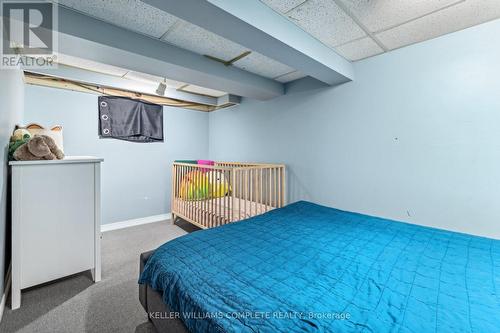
pixel 20 137
pixel 219 186
pixel 200 185
pixel 55 132
pixel 20 134
pixel 194 186
pixel 39 147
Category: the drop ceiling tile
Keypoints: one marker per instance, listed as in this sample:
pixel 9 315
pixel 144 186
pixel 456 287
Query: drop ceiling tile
pixel 283 6
pixel 203 91
pixel 148 78
pixel 196 39
pixel 262 65
pixel 131 14
pixel 90 65
pixel 326 21
pixel 290 77
pixel 381 15
pixel 460 16
pixel 359 49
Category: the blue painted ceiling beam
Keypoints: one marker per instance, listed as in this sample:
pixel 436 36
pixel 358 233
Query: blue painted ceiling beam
pixel 256 26
pixel 89 38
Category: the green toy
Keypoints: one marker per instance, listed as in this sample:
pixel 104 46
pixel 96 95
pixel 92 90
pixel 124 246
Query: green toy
pixel 19 138
pixel 194 186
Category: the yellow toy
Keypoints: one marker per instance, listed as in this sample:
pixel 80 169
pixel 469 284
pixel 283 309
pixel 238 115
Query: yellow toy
pixel 219 186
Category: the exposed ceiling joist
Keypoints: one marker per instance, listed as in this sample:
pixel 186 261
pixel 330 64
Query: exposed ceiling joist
pixel 254 25
pixel 105 80
pixel 89 38
pixel 60 83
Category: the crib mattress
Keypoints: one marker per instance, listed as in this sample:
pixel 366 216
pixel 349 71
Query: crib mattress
pixel 222 208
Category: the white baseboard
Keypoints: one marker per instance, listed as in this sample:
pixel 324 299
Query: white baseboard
pixel 6 289
pixel 135 222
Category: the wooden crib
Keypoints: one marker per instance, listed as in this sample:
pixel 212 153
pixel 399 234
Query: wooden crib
pixel 210 196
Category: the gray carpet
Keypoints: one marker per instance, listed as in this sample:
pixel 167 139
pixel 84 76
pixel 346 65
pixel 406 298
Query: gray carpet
pixel 76 304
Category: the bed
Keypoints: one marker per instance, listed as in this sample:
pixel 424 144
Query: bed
pixel 306 267
pixel 213 195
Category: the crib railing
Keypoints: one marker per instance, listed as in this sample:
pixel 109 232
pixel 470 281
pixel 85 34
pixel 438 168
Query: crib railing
pixel 210 196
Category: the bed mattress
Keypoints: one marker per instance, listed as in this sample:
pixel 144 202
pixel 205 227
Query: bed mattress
pixel 309 268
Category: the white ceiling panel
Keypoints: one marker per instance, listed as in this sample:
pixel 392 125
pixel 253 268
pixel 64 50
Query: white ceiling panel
pixel 203 91
pixel 359 49
pixel 290 77
pixel 142 77
pixel 381 15
pixel 283 6
pixel 326 21
pixel 90 65
pixel 193 38
pixel 131 14
pixel 460 16
pixel 262 65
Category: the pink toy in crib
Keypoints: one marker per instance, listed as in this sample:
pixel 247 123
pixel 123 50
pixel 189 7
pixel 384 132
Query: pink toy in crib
pixel 205 162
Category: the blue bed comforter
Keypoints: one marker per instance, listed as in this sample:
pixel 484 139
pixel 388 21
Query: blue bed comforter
pixel 309 268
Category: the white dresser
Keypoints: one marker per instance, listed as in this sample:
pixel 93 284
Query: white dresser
pixel 55 221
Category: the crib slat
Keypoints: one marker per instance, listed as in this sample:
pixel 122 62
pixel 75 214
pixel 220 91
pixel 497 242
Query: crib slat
pixel 205 202
pixel 284 186
pixel 213 176
pixel 227 177
pixel 241 194
pixel 245 193
pixel 279 188
pixel 218 182
pixel 199 199
pixel 275 182
pixel 189 207
pixel 233 192
pixel 261 188
pixel 183 201
pixel 270 188
pixel 251 191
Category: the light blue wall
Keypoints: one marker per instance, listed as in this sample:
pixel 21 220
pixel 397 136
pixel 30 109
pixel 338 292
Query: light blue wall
pixel 11 113
pixel 416 136
pixel 136 177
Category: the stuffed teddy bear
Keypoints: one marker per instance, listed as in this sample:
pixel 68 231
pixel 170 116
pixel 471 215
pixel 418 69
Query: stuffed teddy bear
pixel 39 147
pixel 20 137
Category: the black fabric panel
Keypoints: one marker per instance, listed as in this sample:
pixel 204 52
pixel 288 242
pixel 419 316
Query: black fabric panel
pixel 131 120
